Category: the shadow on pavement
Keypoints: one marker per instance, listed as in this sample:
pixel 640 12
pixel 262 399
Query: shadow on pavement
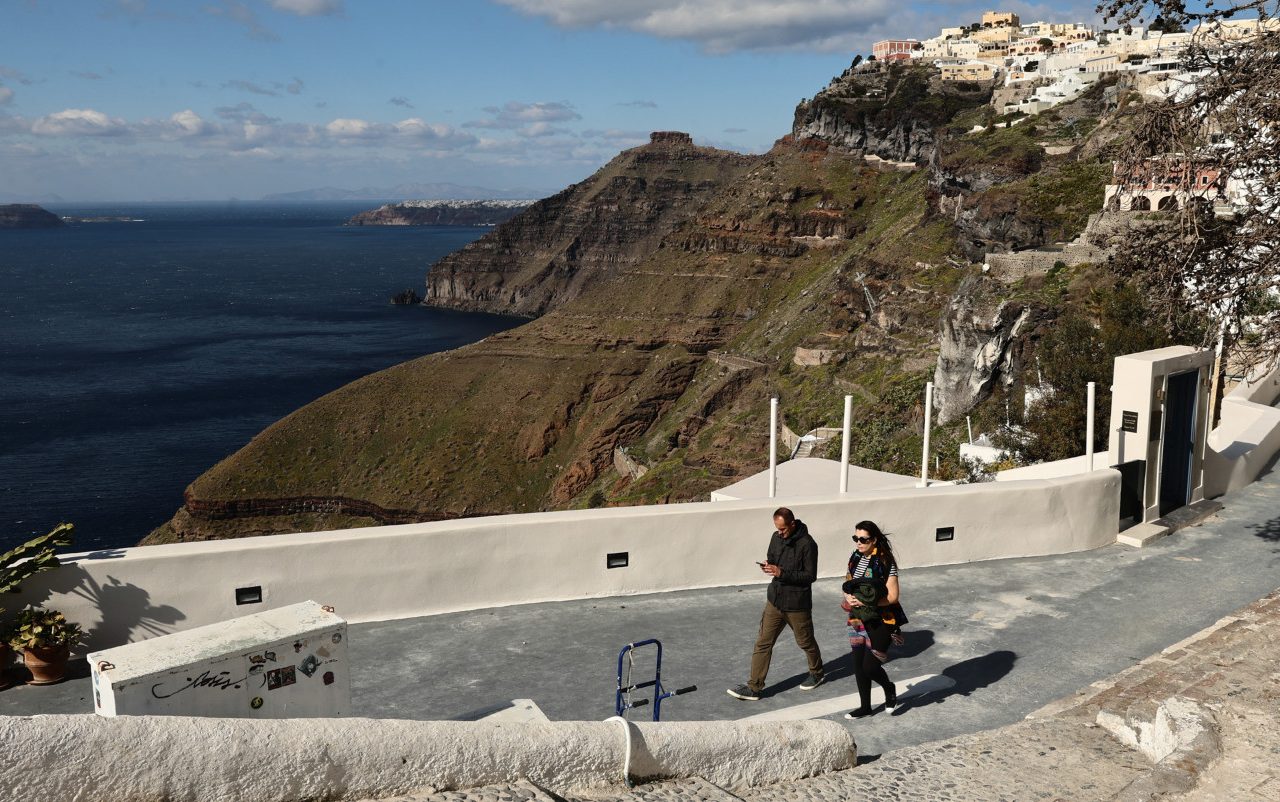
pixel 917 642
pixel 968 677
pixel 1269 530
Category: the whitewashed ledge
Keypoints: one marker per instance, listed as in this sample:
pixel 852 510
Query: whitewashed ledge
pixel 179 759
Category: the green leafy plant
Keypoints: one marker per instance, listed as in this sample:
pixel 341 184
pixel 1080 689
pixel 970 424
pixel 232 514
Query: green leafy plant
pixel 36 555
pixel 37 628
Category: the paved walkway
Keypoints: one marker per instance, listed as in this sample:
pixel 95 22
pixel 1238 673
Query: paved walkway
pixel 1226 677
pixel 1010 636
pixel 1007 637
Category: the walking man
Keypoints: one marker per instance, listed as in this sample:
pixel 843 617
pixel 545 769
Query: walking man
pixel 793 564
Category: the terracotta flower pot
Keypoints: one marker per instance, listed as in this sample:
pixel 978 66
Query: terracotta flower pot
pixel 47 664
pixel 6 657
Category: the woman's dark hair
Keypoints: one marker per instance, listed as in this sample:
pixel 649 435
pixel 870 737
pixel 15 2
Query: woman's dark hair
pixel 882 542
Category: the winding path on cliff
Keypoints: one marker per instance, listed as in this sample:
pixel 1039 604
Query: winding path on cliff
pixel 1005 637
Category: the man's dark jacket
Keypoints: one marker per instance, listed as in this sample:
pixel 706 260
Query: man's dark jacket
pixel 797 556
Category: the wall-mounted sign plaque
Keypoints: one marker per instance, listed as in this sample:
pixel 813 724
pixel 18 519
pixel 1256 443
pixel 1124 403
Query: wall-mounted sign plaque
pixel 1129 421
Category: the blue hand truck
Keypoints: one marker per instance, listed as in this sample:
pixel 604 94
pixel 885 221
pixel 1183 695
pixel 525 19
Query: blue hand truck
pixel 622 700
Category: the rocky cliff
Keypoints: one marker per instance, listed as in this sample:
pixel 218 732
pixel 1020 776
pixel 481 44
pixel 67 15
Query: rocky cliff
pixel 440 213
pixel 673 291
pixel 890 111
pixel 587 233
pixel 27 215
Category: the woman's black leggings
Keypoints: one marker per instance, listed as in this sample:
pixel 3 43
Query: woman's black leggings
pixel 867 668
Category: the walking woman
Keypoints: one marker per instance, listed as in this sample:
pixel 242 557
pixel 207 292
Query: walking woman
pixel 872 631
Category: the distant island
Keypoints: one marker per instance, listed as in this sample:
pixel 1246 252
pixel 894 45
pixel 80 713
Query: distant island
pixel 27 215
pixel 103 219
pixel 441 213
pixel 432 190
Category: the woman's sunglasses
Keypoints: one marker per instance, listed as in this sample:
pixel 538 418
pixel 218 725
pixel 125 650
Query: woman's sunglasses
pixel 864 539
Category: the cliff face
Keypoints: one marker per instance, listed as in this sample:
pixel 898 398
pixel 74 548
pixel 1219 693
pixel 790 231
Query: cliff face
pixel 27 215
pixel 675 288
pixel 529 419
pixel 890 111
pixel 440 213
pixel 554 250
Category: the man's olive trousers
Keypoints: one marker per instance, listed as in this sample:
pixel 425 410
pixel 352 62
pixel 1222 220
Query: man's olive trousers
pixel 772 622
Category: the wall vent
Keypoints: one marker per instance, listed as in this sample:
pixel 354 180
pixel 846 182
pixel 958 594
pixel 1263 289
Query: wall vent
pixel 617 559
pixel 945 533
pixel 250 595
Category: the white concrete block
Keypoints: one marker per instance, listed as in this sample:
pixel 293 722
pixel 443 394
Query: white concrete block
pixel 290 662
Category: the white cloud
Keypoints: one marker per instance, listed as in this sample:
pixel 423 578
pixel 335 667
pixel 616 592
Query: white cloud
pixel 347 128
pixel 540 129
pixel 519 115
pixel 307 8
pixel 295 86
pixel 6 94
pixel 79 122
pixel 188 123
pixel 721 26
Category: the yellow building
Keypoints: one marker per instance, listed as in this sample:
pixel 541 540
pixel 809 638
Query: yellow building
pixel 1000 19
pixel 968 72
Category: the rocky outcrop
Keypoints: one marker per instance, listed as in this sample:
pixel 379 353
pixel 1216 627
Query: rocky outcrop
pixel 881 111
pixel 558 247
pixel 440 213
pixel 974 348
pixel 407 297
pixel 27 215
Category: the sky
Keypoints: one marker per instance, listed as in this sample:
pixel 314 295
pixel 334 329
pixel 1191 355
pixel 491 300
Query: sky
pixel 116 100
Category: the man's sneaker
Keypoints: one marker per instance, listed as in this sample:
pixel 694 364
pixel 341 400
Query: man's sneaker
pixel 743 692
pixel 812 682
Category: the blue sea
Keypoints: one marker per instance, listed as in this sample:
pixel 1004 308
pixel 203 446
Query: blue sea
pixel 135 355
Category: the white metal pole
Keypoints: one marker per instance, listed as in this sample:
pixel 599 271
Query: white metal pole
pixel 968 421
pixel 773 447
pixel 844 444
pixel 928 424
pixel 1088 427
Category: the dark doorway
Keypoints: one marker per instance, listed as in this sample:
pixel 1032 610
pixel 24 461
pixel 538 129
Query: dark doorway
pixel 1181 400
pixel 1133 479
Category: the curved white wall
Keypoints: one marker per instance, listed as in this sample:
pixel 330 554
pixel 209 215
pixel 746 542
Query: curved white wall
pixel 1247 438
pixel 73 758
pixel 391 572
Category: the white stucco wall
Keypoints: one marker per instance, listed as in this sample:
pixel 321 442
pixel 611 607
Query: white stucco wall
pixel 390 572
pixel 78 758
pixel 1247 438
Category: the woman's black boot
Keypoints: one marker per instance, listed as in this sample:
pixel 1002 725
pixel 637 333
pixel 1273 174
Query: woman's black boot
pixel 890 696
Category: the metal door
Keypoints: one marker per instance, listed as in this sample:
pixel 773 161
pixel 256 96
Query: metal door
pixel 1181 399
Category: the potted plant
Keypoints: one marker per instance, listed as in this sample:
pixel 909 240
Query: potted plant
pixel 36 555
pixel 45 638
